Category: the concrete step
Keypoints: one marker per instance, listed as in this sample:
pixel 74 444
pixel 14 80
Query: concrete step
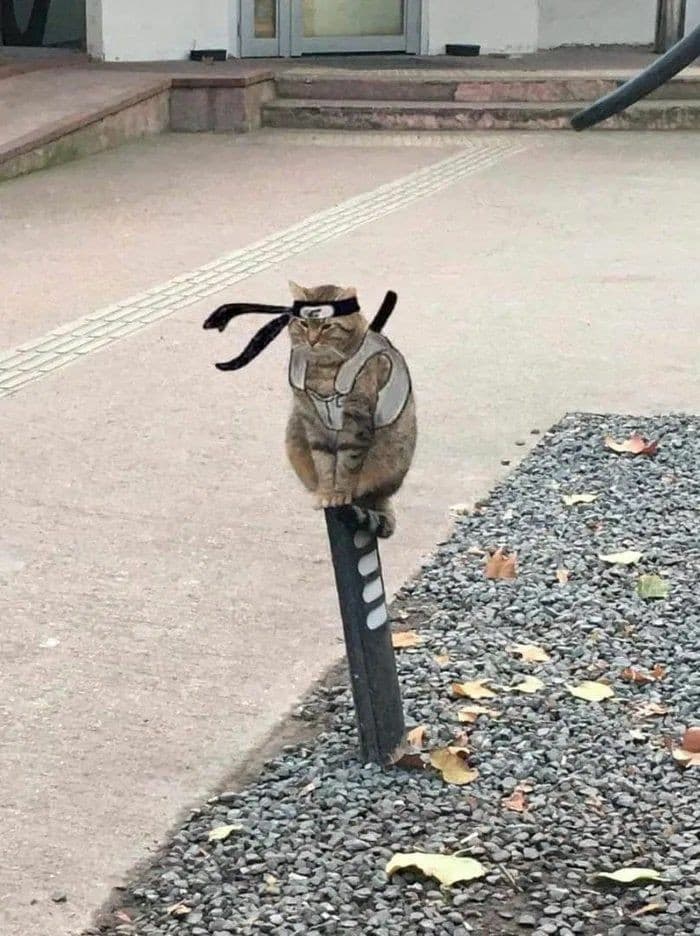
pixel 458 85
pixel 451 115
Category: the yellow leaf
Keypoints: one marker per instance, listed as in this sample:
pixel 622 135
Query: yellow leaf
pixel 447 869
pixel 630 875
pixel 529 684
pixel 473 690
pixel 402 640
pixel 563 576
pixel 629 557
pixel 529 652
pixel 469 713
pixel 635 445
pixel 652 586
pixel 416 736
pixel 686 758
pixel 452 766
pixel 222 832
pixel 572 499
pixel 591 691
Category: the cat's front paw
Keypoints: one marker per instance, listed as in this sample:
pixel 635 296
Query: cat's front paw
pixel 325 499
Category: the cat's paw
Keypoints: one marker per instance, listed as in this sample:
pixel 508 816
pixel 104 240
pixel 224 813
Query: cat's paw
pixel 325 499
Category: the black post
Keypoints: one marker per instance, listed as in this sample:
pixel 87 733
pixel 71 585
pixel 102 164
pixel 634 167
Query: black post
pixel 375 685
pixel 670 24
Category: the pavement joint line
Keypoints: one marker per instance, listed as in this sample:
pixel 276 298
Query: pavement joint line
pixel 71 342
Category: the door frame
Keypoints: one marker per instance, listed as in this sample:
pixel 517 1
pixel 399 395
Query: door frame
pixel 290 41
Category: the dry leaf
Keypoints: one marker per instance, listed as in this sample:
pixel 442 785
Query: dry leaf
pixel 179 910
pixel 658 671
pixel 516 802
pixel 442 659
pixel 416 736
pixel 629 875
pixel 447 869
pixel 402 640
pixel 591 691
pixel 686 758
pixel 635 445
pixel 648 908
pixel 528 685
pixel 572 499
pixel 563 576
pixel 499 566
pixel 222 832
pixel 691 739
pixel 652 586
pixel 629 557
pixel 473 690
pixel 529 652
pixel 636 676
pixel 649 709
pixel 470 713
pixel 452 765
pixel 411 760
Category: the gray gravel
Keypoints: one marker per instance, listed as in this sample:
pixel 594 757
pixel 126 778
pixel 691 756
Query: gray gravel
pixel 317 828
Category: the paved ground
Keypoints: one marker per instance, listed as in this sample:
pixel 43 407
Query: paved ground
pixel 164 583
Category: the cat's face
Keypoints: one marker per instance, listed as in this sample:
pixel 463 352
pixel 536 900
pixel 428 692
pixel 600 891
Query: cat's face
pixel 326 340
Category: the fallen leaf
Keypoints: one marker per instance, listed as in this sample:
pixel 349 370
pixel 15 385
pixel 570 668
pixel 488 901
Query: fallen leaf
pixel 447 869
pixel 402 640
pixel 416 736
pixel 649 709
pixel 563 576
pixel 179 909
pixel 648 908
pixel 473 690
pixel 635 445
pixel 630 557
pixel 516 802
pixel 499 566
pixel 442 659
pixel 529 652
pixel 591 691
pixel 686 758
pixel 453 766
pixel 411 760
pixel 652 586
pixel 636 676
pixel 222 832
pixel 658 671
pixel 470 713
pixel 572 499
pixel 528 685
pixel 691 740
pixel 629 875
pixel 460 743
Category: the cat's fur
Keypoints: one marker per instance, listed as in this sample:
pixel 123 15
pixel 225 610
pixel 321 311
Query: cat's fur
pixel 359 464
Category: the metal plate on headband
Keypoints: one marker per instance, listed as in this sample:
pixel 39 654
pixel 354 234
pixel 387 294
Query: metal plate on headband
pixel 317 312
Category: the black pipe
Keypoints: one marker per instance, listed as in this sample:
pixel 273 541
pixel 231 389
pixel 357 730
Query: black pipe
pixel 676 59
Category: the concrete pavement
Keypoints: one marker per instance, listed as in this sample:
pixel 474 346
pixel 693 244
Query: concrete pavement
pixel 164 588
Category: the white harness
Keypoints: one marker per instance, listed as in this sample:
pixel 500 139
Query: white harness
pixel 391 399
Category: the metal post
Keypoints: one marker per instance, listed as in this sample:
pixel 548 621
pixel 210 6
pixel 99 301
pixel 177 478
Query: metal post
pixel 670 24
pixel 375 685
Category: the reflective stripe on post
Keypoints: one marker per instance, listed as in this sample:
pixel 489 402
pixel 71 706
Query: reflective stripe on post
pixel 375 685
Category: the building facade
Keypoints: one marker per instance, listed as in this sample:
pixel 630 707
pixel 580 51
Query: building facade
pixel 134 30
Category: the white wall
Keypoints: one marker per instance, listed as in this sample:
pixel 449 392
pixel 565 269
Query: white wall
pixel 151 30
pixel 596 22
pixel 495 25
pixel 692 15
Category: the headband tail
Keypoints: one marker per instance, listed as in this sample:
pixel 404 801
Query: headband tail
pixel 258 343
pixel 222 316
pixel 385 310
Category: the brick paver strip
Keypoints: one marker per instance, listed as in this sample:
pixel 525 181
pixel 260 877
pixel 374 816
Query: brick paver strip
pixel 29 362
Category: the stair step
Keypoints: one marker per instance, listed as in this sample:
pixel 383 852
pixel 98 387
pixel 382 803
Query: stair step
pixel 451 115
pixel 458 85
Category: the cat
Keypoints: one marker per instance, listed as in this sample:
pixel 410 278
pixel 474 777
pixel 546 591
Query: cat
pixel 351 435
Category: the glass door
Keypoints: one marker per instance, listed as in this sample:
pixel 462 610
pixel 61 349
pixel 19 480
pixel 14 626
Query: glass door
pixel 354 26
pixel 264 27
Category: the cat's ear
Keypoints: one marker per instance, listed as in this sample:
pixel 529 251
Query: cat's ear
pixel 349 292
pixel 298 292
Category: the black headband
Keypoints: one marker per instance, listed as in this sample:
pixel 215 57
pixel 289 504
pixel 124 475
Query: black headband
pixel 301 309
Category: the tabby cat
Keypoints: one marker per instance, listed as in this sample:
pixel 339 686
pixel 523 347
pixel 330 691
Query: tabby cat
pixel 351 434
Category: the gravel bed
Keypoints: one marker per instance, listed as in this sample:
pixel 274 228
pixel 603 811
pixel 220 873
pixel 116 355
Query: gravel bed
pixel 317 828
